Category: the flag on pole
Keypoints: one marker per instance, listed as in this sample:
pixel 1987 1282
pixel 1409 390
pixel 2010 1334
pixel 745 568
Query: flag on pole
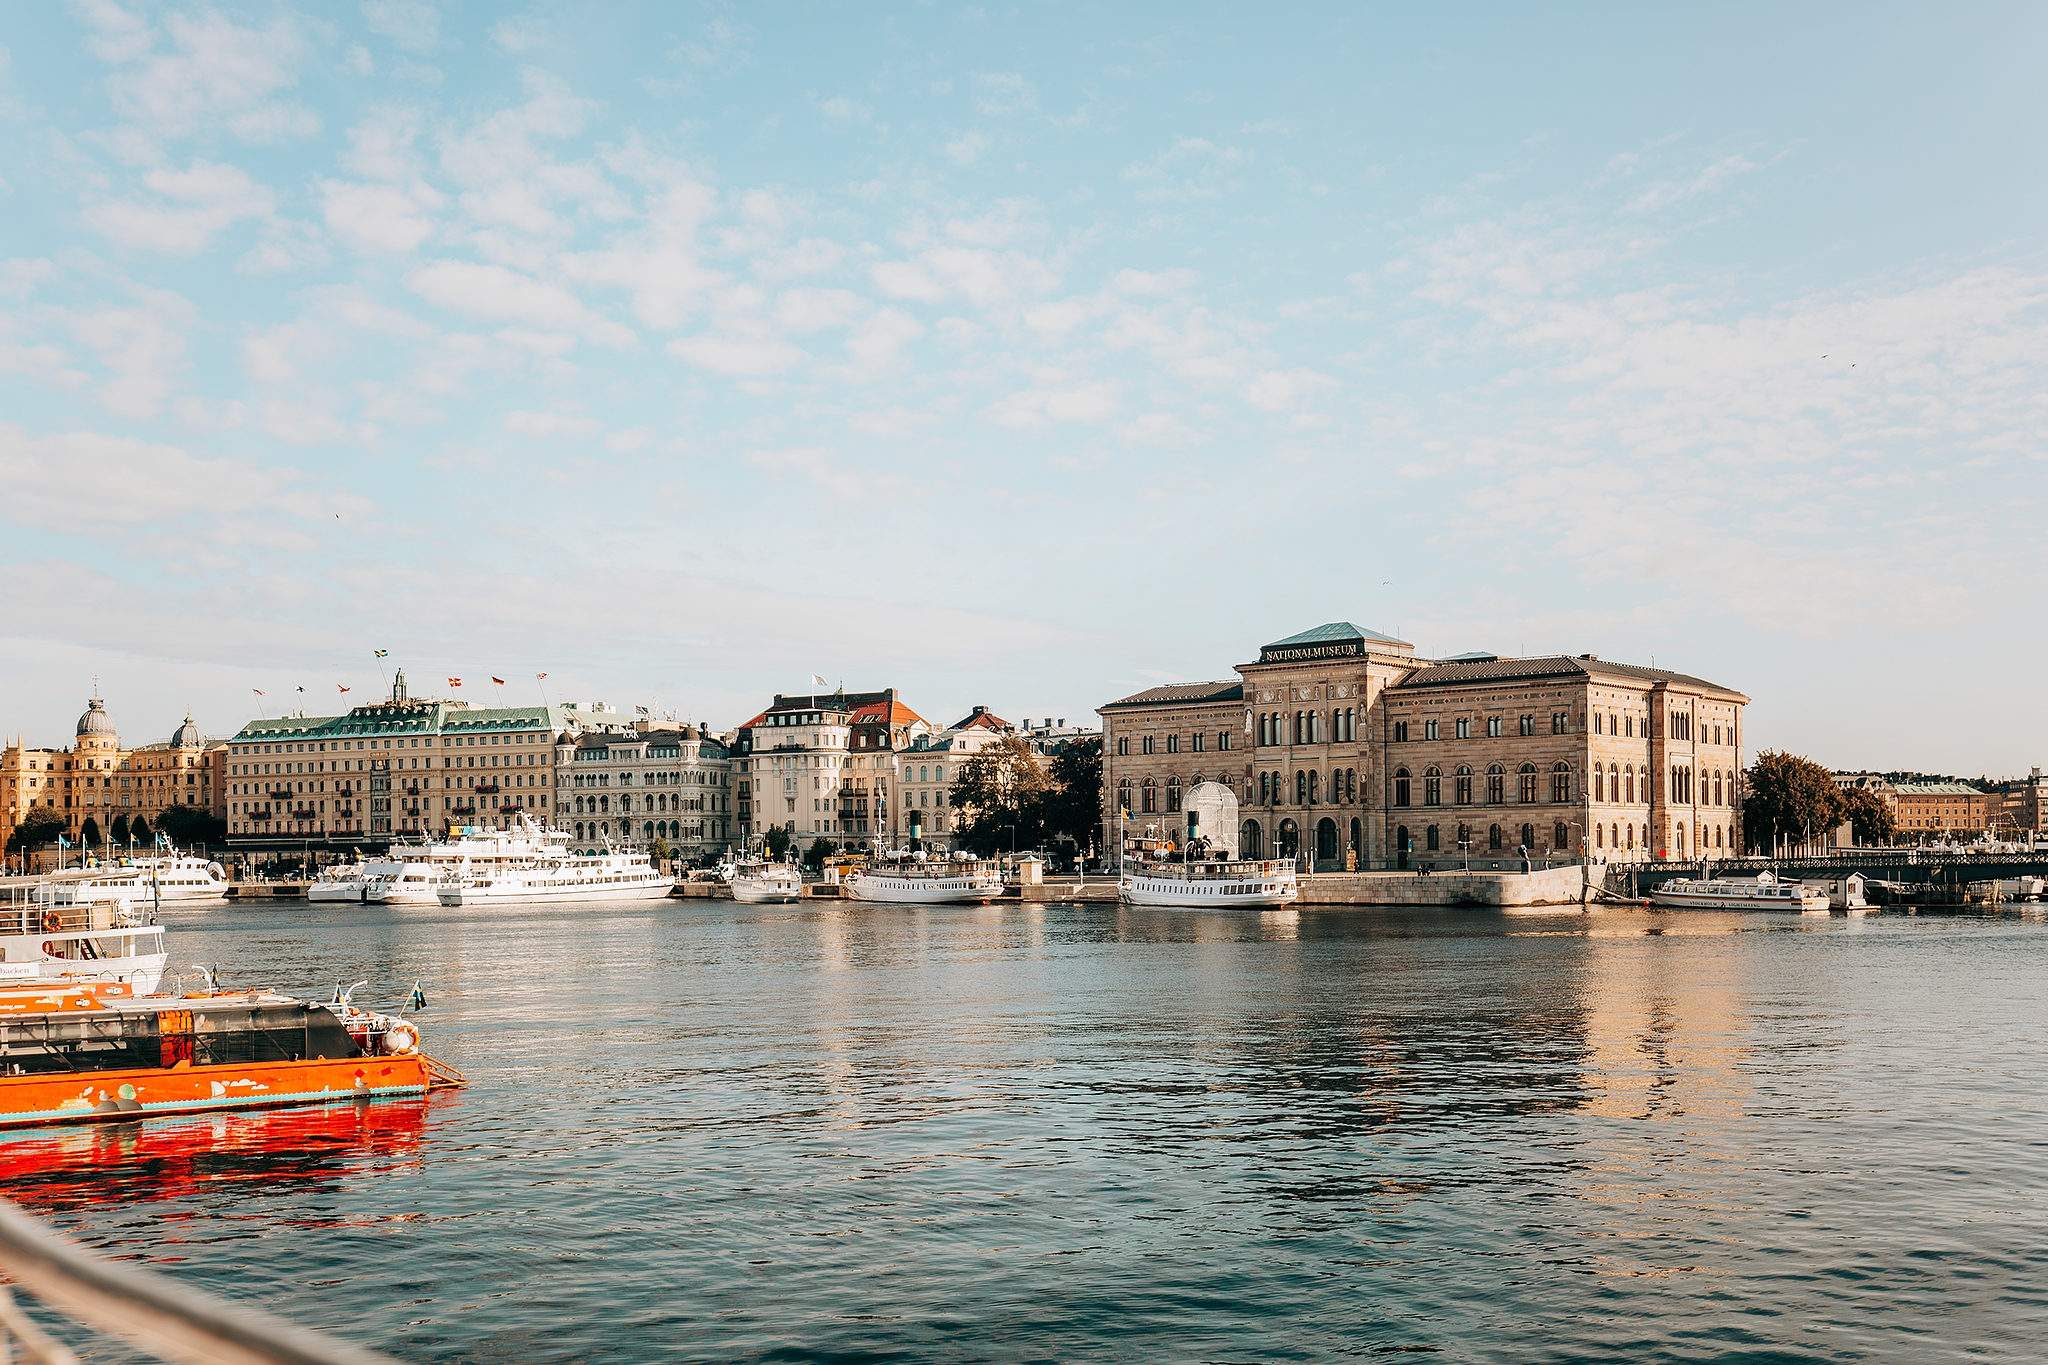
pixel 302 689
pixel 382 653
pixel 257 690
pixel 817 681
pixel 540 675
pixel 63 842
pixel 338 685
pixel 499 681
pixel 455 682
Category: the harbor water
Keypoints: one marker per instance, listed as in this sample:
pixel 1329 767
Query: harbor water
pixel 706 1131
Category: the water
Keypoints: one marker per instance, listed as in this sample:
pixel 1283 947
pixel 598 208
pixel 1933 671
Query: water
pixel 704 1131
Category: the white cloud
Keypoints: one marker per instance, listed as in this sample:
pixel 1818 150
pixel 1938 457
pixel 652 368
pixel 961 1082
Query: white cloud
pixel 629 440
pixel 520 34
pixel 968 147
pixel 491 291
pixel 843 110
pixel 215 69
pixel 1003 92
pixel 380 218
pixel 203 199
pixel 543 424
pixel 412 24
pixel 1285 390
pixel 1086 402
pixel 1159 429
pixel 749 357
pixel 1192 168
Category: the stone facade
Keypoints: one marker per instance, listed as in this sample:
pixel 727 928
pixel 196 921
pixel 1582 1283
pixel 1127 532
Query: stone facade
pixel 1339 742
pixel 633 784
pixel 99 787
pixel 1941 807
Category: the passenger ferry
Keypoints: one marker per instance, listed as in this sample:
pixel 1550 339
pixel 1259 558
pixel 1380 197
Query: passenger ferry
pixel 1765 892
pixel 166 879
pixel 1203 884
pixel 534 865
pixel 759 883
pixel 906 879
pixel 50 937
pixel 105 1052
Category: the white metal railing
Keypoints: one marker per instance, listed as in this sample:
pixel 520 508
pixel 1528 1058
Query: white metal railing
pixel 169 1320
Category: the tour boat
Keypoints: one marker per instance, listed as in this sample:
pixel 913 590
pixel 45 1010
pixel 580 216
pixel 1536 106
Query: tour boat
pixel 1221 884
pixel 107 1053
pixel 170 878
pixel 348 882
pixel 758 883
pixel 50 937
pixel 959 880
pixel 1765 892
pixel 534 865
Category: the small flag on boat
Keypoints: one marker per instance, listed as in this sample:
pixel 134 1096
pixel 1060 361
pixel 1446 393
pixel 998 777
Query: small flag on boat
pixel 383 653
pixel 63 842
pixel 419 997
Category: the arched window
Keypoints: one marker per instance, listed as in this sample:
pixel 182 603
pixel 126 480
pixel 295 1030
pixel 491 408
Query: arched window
pixel 1614 835
pixel 1401 842
pixel 1628 792
pixel 1351 786
pixel 1315 792
pixel 1464 838
pixel 1173 793
pixel 1300 787
pixel 1493 837
pixel 1599 836
pixel 1326 839
pixel 1248 839
pixel 1631 836
pixel 1560 782
pixel 1717 786
pixel 1496 785
pixel 1719 840
pixel 1358 837
pixel 1430 838
pixel 1149 796
pixel 1529 838
pixel 1561 839
pixel 1123 795
pixel 1432 786
pixel 1528 783
pixel 1464 790
pixel 1400 786
pixel 579 829
pixel 1678 840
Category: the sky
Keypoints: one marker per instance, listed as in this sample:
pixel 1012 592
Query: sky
pixel 1023 355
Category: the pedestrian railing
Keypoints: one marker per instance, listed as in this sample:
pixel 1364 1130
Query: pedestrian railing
pixel 166 1319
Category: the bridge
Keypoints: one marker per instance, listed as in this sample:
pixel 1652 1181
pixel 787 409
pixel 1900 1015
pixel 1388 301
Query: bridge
pixel 1937 876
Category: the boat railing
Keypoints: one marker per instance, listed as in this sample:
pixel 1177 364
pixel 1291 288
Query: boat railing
pixel 168 1319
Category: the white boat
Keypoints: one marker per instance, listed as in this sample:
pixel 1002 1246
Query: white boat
pixel 346 882
pixel 1764 892
pixel 49 934
pixel 167 879
pixel 1222 884
pixel 959 880
pixel 758 883
pixel 531 865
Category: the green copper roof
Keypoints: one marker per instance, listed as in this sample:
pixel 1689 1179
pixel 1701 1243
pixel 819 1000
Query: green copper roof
pixel 405 718
pixel 1335 630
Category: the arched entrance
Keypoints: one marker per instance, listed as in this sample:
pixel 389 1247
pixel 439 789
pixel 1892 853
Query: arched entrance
pixel 1401 846
pixel 1248 840
pixel 1358 841
pixel 1287 840
pixel 1326 840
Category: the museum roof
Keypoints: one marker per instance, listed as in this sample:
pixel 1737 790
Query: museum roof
pixel 1453 674
pixel 1181 692
pixel 1333 630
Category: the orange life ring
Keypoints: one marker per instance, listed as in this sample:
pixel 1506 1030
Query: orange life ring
pixel 52 922
pixel 49 948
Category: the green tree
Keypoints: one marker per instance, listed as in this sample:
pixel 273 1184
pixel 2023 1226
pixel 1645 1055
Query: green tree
pixel 189 825
pixel 778 841
pixel 821 848
pixel 660 851
pixel 40 826
pixel 1789 798
pixel 1000 792
pixel 120 829
pixel 1073 806
pixel 89 833
pixel 1870 816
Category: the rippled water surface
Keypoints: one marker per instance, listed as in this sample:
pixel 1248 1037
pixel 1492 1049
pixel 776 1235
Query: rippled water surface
pixel 705 1131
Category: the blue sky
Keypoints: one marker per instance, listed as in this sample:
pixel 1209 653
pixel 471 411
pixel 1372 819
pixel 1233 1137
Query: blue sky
pixel 1023 355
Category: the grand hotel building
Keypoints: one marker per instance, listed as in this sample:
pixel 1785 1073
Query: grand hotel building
pixel 1341 740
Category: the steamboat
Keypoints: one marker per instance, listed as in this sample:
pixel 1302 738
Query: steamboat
pixel 534 865
pixel 1205 872
pixel 1764 892
pixel 762 883
pixel 906 878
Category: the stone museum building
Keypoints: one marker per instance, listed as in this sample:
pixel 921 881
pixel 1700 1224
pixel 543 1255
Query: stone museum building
pixel 1339 741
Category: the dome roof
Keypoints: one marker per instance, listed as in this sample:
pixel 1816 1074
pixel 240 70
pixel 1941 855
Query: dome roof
pixel 691 732
pixel 188 736
pixel 96 721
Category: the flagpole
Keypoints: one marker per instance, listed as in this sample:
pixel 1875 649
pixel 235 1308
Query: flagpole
pixel 542 690
pixel 261 710
pixel 380 653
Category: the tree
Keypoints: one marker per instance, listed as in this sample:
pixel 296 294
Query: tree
pixel 660 851
pixel 1000 792
pixel 40 826
pixel 1789 798
pixel 1073 807
pixel 189 825
pixel 120 829
pixel 139 831
pixel 821 848
pixel 89 833
pixel 1870 816
pixel 778 841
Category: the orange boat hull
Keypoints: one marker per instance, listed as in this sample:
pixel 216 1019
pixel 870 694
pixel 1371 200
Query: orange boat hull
pixel 117 1096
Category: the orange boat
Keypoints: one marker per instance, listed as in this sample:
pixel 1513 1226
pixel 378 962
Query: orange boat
pixel 97 1052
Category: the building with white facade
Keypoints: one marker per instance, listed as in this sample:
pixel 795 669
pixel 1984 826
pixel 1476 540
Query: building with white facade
pixel 630 785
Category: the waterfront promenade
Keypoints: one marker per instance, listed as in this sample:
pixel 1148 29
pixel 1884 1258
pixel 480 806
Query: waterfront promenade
pixel 704 1131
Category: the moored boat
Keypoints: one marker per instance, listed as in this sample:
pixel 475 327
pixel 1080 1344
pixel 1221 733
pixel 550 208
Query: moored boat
pixel 761 883
pixel 343 882
pixel 1763 892
pixel 1204 884
pixel 913 880
pixel 532 865
pixel 49 937
pixel 101 1051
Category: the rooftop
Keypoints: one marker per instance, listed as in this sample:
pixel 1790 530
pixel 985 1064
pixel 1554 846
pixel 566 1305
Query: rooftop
pixel 1333 630
pixel 1182 692
pixel 1572 667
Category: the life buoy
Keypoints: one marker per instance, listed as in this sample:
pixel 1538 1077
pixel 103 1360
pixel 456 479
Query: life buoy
pixel 401 1039
pixel 52 922
pixel 49 948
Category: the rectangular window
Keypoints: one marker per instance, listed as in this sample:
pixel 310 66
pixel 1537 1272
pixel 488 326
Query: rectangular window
pixel 1493 727
pixel 1223 739
pixel 1123 744
pixel 1429 730
pixel 1148 744
pixel 1528 725
pixel 1400 732
pixel 1464 728
pixel 1558 722
pixel 1199 740
pixel 1628 726
pixel 1173 744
